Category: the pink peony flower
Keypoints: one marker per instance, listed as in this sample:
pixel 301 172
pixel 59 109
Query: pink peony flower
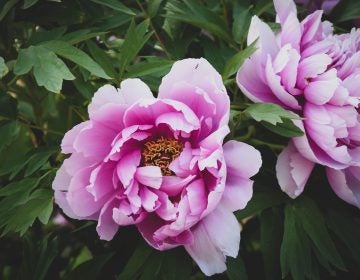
pixel 307 69
pixel 160 163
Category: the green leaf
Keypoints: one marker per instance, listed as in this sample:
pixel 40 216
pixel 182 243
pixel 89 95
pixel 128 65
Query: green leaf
pixel 136 262
pixel 90 269
pixel 287 128
pixel 153 7
pixel 46 35
pixel 49 70
pixel 347 229
pixel 135 39
pixel 234 63
pixel 115 5
pixel 270 113
pixel 242 18
pixel 37 160
pixel 8 107
pixel 38 256
pixel 150 67
pixel 3 68
pixel 260 201
pixel 86 89
pixel 295 254
pixel 177 265
pixel 77 56
pixel 346 10
pixel 197 14
pixel 152 266
pixel 5 8
pixel 8 132
pixel 102 58
pixel 23 187
pixel 314 225
pixel 80 35
pixel 22 215
pixel 29 3
pixel 236 269
pixel 271 231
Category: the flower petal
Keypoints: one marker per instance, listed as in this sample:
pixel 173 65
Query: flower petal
pixel 346 184
pixel 241 159
pixel 106 227
pixel 200 74
pixel 149 176
pixel 215 237
pixel 132 90
pixel 127 166
pixel 293 171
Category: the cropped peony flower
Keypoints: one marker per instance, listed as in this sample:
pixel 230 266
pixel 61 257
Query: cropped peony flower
pixel 308 70
pixel 160 164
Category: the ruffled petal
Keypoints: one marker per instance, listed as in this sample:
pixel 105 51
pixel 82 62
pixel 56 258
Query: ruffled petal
pixel 215 237
pixel 106 227
pixel 293 171
pixel 241 159
pixel 149 176
pixel 200 74
pixel 346 184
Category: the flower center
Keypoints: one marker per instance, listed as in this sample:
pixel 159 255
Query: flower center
pixel 161 152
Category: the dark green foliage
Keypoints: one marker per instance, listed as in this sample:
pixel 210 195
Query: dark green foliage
pixel 55 54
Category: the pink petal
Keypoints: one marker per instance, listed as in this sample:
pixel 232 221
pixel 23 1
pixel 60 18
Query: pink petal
pixel 311 67
pixel 147 228
pixel 95 140
pixel 346 184
pixel 241 159
pixel 148 199
pixel 166 210
pixel 132 90
pixel 105 95
pixel 61 200
pixel 238 192
pixel 176 121
pixel 110 115
pixel 274 82
pixel 122 219
pixel 173 185
pixel 106 227
pixel 67 143
pixel 101 182
pixel 311 27
pixel 293 171
pixel 260 31
pixel 62 179
pixel 147 111
pixel 289 74
pixel 215 237
pixel 312 152
pixel 200 74
pixel 249 80
pixel 80 200
pixel 127 166
pixel 197 197
pixel 291 31
pixel 149 176
pixel 284 8
pixel 321 89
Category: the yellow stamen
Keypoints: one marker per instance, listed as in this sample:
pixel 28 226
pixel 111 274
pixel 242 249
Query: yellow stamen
pixel 161 152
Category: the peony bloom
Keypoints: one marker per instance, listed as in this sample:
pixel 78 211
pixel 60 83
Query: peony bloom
pixel 308 70
pixel 160 164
